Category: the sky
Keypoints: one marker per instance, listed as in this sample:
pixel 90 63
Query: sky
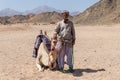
pixel 70 5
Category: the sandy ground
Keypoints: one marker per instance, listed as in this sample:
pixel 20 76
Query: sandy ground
pixel 96 53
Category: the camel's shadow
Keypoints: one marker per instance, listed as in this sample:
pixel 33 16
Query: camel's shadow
pixel 79 72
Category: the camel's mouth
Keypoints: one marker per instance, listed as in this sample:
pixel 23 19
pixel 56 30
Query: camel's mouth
pixel 52 65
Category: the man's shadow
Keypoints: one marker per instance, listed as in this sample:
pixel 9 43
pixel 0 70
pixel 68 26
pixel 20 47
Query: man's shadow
pixel 79 72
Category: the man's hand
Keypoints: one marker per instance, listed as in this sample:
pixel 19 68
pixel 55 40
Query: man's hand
pixel 55 36
pixel 73 42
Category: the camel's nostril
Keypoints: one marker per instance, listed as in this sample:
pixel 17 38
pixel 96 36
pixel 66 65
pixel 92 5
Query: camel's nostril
pixel 53 49
pixel 52 65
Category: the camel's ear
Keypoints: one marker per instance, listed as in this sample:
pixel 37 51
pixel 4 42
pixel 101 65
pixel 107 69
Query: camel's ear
pixel 41 32
pixel 45 32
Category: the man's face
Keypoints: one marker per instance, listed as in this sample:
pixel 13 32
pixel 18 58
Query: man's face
pixel 65 15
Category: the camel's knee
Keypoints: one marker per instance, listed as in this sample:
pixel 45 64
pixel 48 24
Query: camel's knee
pixel 39 67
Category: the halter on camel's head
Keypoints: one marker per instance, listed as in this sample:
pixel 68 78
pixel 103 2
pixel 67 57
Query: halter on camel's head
pixel 53 42
pixel 56 44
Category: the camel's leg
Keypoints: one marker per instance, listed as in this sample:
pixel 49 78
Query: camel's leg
pixel 38 63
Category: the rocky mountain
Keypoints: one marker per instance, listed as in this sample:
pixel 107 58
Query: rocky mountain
pixel 45 17
pixel 38 10
pixel 15 19
pixel 41 9
pixel 9 12
pixel 4 20
pixel 74 13
pixel 103 12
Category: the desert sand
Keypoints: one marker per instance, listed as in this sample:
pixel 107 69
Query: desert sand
pixel 96 53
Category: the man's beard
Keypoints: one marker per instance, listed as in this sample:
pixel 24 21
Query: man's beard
pixel 66 20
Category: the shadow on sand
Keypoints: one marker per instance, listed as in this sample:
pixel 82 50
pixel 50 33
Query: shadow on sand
pixel 79 72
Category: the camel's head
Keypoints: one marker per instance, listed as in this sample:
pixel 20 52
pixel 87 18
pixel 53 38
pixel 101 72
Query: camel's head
pixel 53 43
pixel 52 59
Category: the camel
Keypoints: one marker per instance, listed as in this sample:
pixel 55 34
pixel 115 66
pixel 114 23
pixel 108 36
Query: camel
pixel 46 58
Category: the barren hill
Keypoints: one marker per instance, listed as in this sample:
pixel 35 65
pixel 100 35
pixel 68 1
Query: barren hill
pixel 15 19
pixel 18 19
pixel 4 20
pixel 103 12
pixel 46 17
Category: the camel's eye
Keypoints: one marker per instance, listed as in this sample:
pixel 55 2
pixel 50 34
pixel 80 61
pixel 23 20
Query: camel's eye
pixel 54 42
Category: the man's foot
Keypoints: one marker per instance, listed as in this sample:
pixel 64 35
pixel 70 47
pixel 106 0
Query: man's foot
pixel 70 70
pixel 34 56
